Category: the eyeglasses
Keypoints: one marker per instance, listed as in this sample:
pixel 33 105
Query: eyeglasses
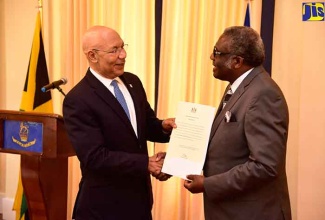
pixel 115 50
pixel 216 52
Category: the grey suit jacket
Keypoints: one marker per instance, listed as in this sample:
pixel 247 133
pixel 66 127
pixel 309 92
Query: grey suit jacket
pixel 245 164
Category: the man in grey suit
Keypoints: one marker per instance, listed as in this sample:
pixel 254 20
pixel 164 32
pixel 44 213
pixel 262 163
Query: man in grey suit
pixel 109 120
pixel 244 172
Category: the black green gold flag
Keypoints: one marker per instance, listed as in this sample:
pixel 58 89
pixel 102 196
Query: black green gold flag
pixel 33 99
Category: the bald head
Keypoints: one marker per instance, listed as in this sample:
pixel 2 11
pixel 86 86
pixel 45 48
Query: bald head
pixel 96 37
pixel 104 50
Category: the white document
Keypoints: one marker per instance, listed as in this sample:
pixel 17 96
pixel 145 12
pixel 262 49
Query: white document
pixel 189 141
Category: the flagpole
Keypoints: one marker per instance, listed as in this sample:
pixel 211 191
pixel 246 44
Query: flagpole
pixel 40 5
pixel 40 9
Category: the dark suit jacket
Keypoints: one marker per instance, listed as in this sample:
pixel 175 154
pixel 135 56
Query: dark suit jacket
pixel 114 161
pixel 245 164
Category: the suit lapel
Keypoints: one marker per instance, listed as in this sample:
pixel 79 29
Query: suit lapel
pixel 216 118
pixel 108 98
pixel 238 93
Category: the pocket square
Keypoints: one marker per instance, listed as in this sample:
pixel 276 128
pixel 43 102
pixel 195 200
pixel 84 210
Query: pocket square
pixel 230 117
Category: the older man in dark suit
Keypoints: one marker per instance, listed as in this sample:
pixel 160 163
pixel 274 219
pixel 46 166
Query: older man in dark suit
pixel 244 173
pixel 109 120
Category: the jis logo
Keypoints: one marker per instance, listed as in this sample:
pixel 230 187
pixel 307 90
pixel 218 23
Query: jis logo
pixel 313 11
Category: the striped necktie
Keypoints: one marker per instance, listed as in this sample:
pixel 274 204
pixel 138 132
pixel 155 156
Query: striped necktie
pixel 120 98
pixel 227 97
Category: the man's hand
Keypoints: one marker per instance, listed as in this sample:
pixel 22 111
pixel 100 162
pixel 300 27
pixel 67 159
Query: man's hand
pixel 168 125
pixel 155 166
pixel 160 155
pixel 194 184
pixel 162 176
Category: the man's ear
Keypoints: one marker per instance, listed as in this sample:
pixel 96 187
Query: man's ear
pixel 238 62
pixel 92 56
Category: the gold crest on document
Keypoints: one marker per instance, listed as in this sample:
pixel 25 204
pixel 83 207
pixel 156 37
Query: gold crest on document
pixel 193 110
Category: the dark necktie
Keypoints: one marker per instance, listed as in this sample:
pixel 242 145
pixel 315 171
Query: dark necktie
pixel 227 97
pixel 120 98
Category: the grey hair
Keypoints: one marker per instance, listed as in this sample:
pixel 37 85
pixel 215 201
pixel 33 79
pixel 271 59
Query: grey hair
pixel 247 43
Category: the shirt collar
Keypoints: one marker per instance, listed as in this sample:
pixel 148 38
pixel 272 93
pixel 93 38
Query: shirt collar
pixel 105 81
pixel 239 80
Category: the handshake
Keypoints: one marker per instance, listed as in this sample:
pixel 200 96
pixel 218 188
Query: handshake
pixel 155 165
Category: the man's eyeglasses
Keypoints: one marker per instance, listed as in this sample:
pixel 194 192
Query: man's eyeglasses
pixel 115 50
pixel 216 52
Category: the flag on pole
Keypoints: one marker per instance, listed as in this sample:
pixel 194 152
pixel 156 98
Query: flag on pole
pixel 33 99
pixel 247 21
